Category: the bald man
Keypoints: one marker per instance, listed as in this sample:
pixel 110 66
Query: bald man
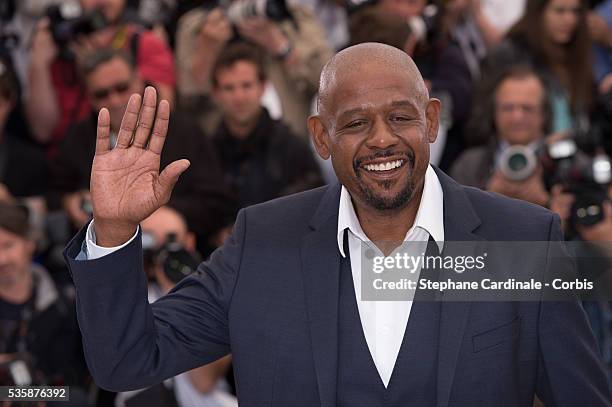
pixel 283 295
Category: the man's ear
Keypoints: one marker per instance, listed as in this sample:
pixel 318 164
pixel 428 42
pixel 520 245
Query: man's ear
pixel 319 135
pixel 432 113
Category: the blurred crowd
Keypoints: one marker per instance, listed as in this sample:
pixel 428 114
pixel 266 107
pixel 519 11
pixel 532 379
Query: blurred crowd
pixel 525 85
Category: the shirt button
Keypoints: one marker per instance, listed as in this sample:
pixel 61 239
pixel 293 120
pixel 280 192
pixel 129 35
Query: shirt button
pixel 386 330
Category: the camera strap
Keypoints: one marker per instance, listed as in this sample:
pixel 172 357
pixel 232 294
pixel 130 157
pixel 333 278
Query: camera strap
pixel 27 313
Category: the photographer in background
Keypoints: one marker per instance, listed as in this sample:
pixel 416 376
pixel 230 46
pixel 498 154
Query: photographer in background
pixel 56 97
pixel 40 343
pixel 517 113
pixel 110 77
pixel 169 255
pixel 582 197
pixel 293 43
pixel 600 29
pixel 261 158
pixel 23 169
pixel 553 37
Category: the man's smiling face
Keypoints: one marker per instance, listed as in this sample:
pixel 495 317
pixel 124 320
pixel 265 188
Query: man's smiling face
pixel 377 123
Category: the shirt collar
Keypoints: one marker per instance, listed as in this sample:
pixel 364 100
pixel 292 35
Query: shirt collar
pixel 430 215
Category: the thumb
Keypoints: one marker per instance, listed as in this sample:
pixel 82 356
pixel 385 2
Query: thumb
pixel 170 175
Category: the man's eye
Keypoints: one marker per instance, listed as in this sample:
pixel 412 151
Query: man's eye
pixel 355 123
pixel 400 119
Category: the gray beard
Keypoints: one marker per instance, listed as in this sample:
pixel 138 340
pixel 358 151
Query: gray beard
pixel 399 201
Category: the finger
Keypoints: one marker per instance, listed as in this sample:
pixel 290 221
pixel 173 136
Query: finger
pixel 103 132
pixel 128 123
pixel 160 129
pixel 170 175
pixel 147 116
pixel 556 189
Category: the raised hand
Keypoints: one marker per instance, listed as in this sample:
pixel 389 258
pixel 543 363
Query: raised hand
pixel 126 185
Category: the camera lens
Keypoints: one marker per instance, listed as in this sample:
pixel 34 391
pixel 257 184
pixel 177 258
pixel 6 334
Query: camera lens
pixel 517 163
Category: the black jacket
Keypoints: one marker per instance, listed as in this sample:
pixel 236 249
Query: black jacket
pixel 23 167
pixel 269 163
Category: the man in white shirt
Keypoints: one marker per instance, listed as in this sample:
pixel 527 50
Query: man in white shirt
pixel 281 294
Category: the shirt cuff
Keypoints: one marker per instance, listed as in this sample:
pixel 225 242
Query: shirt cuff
pixel 94 251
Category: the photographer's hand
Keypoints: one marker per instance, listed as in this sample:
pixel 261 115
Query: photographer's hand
pixel 605 85
pixel 5 194
pixel 126 186
pixel 265 33
pixel 531 190
pixel 215 32
pixel 41 107
pixel 73 205
pixel 43 50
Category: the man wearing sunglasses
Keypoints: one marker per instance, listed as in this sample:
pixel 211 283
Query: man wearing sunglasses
pixel 110 78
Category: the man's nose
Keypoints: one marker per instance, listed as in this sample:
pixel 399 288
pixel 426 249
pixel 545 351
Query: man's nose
pixel 240 94
pixel 518 114
pixel 381 136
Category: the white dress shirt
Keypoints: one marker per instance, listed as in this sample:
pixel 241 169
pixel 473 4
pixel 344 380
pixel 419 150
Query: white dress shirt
pixel 384 322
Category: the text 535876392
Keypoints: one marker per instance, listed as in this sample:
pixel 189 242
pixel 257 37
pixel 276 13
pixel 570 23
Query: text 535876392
pixel 34 393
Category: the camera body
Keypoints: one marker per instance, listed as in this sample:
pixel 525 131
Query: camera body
pixel 68 21
pixel 239 10
pixel 582 164
pixel 585 176
pixel 174 259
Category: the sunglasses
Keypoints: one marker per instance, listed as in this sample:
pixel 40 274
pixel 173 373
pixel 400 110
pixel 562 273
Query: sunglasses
pixel 103 93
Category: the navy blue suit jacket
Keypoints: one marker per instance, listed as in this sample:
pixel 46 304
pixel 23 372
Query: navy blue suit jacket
pixel 270 297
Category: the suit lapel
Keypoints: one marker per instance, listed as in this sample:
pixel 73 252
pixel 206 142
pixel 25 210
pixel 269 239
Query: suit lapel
pixel 460 220
pixel 321 273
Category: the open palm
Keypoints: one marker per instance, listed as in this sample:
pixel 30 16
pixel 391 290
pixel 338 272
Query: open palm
pixel 126 185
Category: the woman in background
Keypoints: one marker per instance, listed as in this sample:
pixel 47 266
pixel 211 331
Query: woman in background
pixel 553 36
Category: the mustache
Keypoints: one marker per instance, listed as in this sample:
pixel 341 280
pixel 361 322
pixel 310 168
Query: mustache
pixel 408 155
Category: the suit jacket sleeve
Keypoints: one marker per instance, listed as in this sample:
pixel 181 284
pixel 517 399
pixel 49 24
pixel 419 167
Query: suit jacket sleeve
pixel 131 344
pixel 570 368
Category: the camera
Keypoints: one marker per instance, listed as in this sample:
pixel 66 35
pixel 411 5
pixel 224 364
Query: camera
pixel 585 176
pixel 8 40
pixel 19 370
pixel 175 260
pixel 68 21
pixel 582 164
pixel 239 10
pixel 518 162
pixel 354 5
pixel 425 26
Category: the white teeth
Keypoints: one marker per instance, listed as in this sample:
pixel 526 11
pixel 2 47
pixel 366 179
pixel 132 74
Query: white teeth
pixel 385 166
